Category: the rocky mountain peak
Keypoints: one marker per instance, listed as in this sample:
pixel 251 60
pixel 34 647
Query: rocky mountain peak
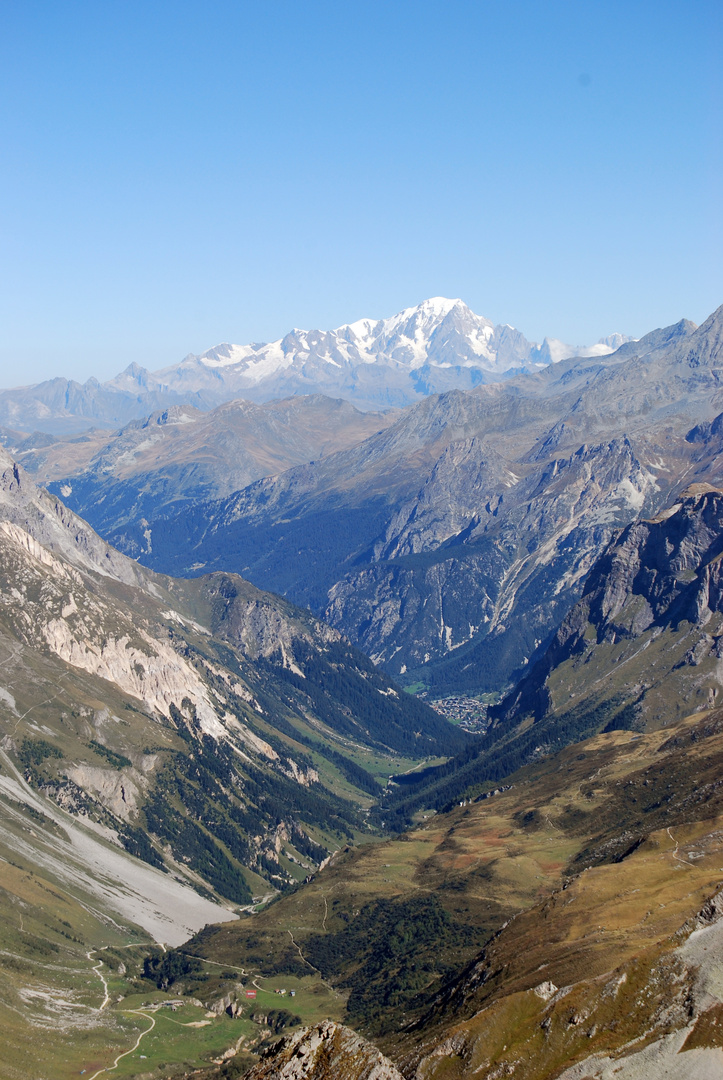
pixel 43 518
pixel 10 477
pixel 326 1051
pixel 703 348
pixel 662 338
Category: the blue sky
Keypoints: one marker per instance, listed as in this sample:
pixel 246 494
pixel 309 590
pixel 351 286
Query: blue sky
pixel 180 173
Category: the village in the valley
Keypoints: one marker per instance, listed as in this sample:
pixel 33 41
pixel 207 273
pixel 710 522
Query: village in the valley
pixel 466 712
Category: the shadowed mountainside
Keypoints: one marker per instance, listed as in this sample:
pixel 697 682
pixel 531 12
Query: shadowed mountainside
pixel 450 545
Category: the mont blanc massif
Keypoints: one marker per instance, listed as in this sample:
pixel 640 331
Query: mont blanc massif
pixel 361 710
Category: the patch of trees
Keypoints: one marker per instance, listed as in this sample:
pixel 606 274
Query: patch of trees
pixel 136 843
pixel 389 956
pixel 36 751
pixel 276 1019
pixel 164 969
pixel 193 844
pixel 195 808
pixel 118 761
pixel 352 697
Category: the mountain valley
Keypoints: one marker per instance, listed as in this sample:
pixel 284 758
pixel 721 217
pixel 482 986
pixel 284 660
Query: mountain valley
pixel 516 486
pixel 171 752
pixel 224 822
pixel 562 919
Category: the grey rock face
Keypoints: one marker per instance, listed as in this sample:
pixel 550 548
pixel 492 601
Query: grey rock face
pixel 529 551
pixel 648 627
pixel 48 522
pixel 327 1051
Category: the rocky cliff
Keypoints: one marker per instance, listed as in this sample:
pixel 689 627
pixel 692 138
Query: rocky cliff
pixel 327 1051
pixel 645 637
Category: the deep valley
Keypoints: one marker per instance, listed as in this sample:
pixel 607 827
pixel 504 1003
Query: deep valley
pixel 370 744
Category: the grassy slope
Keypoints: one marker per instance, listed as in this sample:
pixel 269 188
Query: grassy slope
pixel 57 718
pixel 525 854
pixel 509 855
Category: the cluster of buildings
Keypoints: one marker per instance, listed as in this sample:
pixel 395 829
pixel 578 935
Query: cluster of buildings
pixel 468 713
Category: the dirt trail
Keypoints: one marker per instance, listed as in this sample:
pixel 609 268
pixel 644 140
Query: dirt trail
pixel 98 966
pixel 298 949
pixel 101 976
pixel 125 1053
pixel 38 705
pixel 675 851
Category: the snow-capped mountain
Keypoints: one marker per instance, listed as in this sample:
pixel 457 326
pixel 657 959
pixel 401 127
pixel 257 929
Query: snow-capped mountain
pixel 437 346
pixel 437 341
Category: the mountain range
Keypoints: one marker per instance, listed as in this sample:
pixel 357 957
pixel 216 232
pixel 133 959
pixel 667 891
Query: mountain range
pixel 562 919
pixel 223 822
pixel 377 364
pixel 182 455
pixel 449 544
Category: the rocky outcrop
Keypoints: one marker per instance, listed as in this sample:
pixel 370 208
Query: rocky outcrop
pixel 327 1051
pixel 651 611
pixel 259 624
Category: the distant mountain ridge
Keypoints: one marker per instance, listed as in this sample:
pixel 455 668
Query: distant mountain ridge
pixel 438 345
pixel 449 545
pixel 181 454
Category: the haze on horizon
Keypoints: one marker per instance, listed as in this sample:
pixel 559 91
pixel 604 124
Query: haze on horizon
pixel 177 175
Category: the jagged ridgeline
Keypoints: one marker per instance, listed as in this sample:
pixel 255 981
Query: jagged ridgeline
pixel 211 730
pixel 641 649
pixel 450 544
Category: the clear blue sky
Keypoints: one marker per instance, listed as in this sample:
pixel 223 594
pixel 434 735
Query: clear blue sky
pixel 181 173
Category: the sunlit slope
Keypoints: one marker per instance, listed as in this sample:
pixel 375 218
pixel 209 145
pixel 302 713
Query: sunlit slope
pixel 620 969
pixel 179 455
pixel 72 994
pixel 210 727
pixel 392 923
